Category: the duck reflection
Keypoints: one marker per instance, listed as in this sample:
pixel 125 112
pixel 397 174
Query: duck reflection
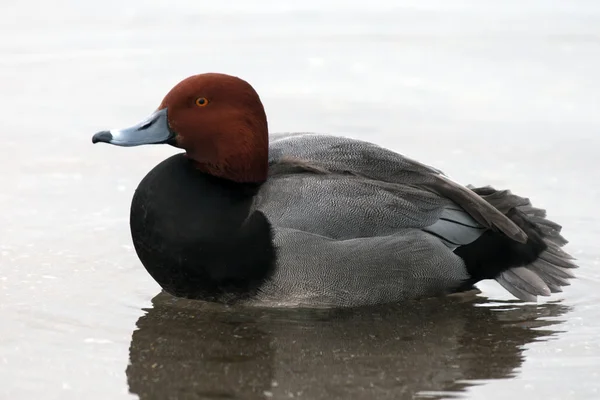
pixel 193 350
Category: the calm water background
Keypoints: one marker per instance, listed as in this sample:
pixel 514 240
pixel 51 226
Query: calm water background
pixel 503 93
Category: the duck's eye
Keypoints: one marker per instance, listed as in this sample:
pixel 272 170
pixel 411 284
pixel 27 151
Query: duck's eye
pixel 201 101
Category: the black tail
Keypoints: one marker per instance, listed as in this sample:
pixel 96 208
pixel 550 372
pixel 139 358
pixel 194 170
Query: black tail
pixel 527 270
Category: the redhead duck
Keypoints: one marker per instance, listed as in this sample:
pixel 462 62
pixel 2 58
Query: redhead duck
pixel 316 220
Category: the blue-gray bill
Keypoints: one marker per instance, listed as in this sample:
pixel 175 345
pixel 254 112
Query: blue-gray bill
pixel 153 130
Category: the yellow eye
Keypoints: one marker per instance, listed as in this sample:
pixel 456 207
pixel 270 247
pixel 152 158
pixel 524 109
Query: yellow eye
pixel 201 101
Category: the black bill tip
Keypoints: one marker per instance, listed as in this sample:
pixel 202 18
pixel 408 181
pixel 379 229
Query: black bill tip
pixel 104 136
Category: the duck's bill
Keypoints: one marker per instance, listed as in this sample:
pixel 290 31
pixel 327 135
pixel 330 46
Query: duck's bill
pixel 153 130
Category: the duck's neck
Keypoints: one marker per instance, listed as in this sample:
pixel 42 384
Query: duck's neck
pixel 253 172
pixel 238 164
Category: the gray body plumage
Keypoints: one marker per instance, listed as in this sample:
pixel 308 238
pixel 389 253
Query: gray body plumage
pixel 357 224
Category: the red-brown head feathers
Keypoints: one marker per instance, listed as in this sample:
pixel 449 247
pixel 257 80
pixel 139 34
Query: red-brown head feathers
pixel 220 122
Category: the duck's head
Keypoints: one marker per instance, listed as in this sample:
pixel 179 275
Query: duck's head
pixel 217 119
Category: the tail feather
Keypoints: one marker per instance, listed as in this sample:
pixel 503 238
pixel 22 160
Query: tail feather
pixel 515 291
pixel 552 269
pixel 551 230
pixel 549 278
pixel 558 252
pixel 559 262
pixel 526 280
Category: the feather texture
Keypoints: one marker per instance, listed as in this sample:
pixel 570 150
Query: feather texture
pixel 355 223
pixel 548 272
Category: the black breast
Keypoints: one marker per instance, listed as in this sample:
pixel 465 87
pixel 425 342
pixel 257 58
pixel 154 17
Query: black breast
pixel 197 235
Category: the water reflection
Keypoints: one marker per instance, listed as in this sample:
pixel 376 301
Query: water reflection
pixel 436 348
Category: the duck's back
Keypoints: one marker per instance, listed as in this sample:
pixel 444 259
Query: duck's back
pixel 346 189
pixel 346 238
pixel 356 224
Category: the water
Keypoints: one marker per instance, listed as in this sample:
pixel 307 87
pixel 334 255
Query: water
pixel 502 93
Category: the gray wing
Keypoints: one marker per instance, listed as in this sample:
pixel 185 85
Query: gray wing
pixel 354 222
pixel 343 207
pixel 356 228
pixel 380 166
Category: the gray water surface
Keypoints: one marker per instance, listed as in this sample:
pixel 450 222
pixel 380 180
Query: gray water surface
pixel 501 93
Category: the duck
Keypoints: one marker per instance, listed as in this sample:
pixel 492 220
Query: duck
pixel 245 216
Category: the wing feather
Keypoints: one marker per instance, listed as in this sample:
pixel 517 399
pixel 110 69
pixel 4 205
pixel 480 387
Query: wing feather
pixel 345 156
